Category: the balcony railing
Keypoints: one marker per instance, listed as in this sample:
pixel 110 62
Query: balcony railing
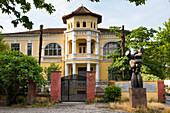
pixel 83 55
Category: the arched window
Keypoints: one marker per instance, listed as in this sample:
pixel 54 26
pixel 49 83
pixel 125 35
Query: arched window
pixel 53 49
pixel 109 48
pixel 84 24
pixel 78 24
pixel 68 26
pixel 91 25
pixel 94 26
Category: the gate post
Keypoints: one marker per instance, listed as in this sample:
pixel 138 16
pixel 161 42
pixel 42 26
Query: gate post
pixel 90 85
pixel 55 86
pixel 32 91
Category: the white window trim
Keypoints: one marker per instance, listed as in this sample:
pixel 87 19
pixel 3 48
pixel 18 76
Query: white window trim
pixel 26 49
pixel 43 47
pixel 16 43
pixel 104 43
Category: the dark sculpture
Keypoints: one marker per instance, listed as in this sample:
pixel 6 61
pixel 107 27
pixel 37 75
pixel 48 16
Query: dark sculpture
pixel 136 64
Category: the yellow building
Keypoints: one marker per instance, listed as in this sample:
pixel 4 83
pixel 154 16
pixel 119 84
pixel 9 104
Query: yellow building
pixel 79 48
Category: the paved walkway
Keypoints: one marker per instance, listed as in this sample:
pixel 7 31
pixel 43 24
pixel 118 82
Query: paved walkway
pixel 64 107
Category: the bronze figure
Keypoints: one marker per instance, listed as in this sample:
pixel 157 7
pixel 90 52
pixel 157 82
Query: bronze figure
pixel 136 64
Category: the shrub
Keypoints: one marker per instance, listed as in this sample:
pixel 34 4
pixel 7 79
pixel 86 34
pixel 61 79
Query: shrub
pixel 16 70
pixel 149 77
pixel 112 92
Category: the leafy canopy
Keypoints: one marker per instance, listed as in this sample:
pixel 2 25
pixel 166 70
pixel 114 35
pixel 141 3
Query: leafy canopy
pixel 16 70
pixel 9 7
pixel 139 37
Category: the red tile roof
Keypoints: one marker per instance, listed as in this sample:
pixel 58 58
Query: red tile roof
pixel 53 31
pixel 45 31
pixel 82 11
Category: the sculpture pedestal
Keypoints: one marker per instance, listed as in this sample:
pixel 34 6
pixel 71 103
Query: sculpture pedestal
pixel 137 97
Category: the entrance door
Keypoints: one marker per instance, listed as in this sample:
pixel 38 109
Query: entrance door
pixel 82 72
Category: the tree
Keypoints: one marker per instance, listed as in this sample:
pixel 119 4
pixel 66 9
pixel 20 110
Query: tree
pixel 16 70
pixel 9 7
pixel 52 67
pixel 139 37
pixel 120 62
pixel 158 52
pixel 3 46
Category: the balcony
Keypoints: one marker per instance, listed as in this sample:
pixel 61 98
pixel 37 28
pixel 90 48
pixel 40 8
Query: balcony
pixel 83 56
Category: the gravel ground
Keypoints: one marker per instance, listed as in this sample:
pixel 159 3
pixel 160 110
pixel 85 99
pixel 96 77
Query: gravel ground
pixel 65 107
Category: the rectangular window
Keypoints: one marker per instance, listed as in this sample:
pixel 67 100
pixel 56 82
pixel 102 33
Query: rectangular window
pixel 29 49
pixel 15 46
pixel 84 49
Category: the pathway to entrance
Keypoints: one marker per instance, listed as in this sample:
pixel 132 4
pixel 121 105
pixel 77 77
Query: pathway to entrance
pixel 64 107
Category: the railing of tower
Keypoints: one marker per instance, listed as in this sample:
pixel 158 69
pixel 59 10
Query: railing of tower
pixel 83 55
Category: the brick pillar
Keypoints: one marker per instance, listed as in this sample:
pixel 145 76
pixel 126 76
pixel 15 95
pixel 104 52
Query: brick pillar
pixel 161 90
pixel 32 91
pixel 55 86
pixel 90 85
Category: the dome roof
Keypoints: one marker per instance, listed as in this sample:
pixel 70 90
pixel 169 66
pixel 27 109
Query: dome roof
pixel 82 11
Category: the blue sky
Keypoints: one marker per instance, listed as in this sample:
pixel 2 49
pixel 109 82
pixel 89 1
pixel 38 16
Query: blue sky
pixel 114 13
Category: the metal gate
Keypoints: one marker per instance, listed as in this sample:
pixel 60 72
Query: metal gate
pixel 73 88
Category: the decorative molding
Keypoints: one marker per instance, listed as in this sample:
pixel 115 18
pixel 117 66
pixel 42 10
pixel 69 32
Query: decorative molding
pixel 52 61
pixel 87 59
pixel 108 37
pixel 81 62
pixel 104 43
pixel 62 51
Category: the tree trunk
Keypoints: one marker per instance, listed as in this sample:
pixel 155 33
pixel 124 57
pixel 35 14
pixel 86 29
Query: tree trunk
pixel 122 34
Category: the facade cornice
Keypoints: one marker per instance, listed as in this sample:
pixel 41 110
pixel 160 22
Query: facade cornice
pixel 82 29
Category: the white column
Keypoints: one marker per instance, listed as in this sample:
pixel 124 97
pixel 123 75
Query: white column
pixel 88 66
pixel 89 44
pixel 74 45
pixel 74 68
pixel 97 73
pixel 66 70
pixel 97 45
pixel 66 46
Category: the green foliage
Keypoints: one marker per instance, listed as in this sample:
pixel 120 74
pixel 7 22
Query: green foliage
pixel 149 77
pixel 3 46
pixel 16 70
pixel 139 37
pixel 113 92
pixel 89 102
pixel 117 31
pixel 52 67
pixel 156 58
pixel 119 63
pixel 145 69
pixel 166 94
pixel 9 7
pixel 157 55
pixel 45 103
